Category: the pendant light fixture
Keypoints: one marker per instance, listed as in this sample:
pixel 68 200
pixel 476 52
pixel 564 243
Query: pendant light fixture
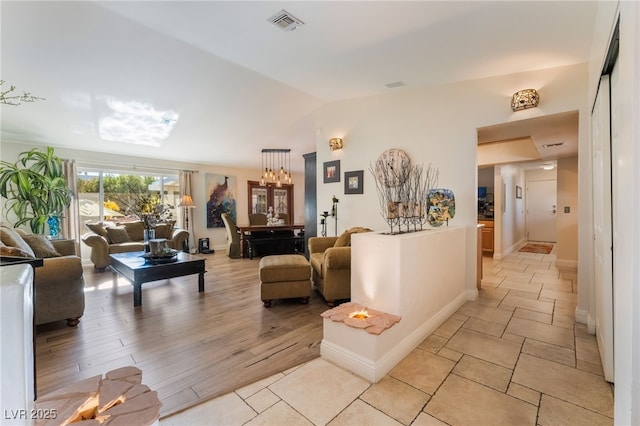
pixel 277 167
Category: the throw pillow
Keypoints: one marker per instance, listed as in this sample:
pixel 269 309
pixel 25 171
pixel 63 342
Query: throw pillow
pixel 134 229
pixel 41 246
pixel 163 230
pixel 344 240
pixel 117 235
pixel 98 228
pixel 13 251
pixel 10 237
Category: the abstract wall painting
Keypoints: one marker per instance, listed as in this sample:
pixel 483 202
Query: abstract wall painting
pixel 221 198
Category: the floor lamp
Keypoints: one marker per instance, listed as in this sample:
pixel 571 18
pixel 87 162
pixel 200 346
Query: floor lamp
pixel 187 202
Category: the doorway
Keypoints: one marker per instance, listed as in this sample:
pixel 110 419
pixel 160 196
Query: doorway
pixel 555 138
pixel 541 210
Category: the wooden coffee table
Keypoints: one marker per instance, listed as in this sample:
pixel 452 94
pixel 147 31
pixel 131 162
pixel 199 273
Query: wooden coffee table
pixel 137 271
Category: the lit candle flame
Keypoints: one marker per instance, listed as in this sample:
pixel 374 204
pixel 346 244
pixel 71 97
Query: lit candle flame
pixel 362 314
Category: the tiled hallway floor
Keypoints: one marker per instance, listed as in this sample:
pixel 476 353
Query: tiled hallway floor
pixel 515 356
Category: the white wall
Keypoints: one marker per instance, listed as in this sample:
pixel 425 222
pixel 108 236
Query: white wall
pixel 567 223
pixel 217 236
pixel 509 226
pixel 437 126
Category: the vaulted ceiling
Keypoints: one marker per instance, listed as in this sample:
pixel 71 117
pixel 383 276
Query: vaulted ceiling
pixel 215 81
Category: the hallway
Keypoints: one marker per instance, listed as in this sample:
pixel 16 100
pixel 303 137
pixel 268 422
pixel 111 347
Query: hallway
pixel 515 356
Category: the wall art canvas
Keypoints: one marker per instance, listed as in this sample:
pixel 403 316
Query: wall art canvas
pixel 353 182
pixel 441 206
pixel 331 170
pixel 221 198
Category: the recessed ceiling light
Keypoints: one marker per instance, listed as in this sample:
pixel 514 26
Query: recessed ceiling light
pixel 395 84
pixel 548 166
pixel 552 145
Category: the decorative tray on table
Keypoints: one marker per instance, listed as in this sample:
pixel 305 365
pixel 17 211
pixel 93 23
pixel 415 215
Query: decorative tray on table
pixel 168 257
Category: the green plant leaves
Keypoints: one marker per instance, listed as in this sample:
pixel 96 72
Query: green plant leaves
pixel 35 188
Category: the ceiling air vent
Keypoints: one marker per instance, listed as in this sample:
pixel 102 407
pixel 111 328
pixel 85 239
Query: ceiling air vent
pixel 395 84
pixel 552 145
pixel 285 21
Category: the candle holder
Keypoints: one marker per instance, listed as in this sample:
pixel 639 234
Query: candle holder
pixel 323 223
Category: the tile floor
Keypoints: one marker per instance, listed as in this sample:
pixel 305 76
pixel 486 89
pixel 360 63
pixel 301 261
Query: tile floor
pixel 512 357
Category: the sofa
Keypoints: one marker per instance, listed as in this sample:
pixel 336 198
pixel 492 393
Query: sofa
pixel 59 283
pixel 330 259
pixel 106 238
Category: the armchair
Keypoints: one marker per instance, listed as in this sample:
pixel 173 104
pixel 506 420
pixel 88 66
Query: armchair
pixel 330 259
pixel 59 283
pixel 59 286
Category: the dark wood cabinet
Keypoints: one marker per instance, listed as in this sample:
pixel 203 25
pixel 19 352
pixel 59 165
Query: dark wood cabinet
pixel 262 197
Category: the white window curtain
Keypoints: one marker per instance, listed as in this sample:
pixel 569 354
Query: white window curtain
pixel 187 216
pixel 70 219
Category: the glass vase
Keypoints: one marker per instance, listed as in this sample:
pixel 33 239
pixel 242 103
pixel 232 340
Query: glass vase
pixel 54 227
pixel 149 234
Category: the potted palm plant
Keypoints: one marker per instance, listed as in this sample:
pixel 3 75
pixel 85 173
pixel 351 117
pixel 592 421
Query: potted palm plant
pixel 35 189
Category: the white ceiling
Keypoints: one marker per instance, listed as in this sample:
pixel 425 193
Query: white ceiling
pixel 237 83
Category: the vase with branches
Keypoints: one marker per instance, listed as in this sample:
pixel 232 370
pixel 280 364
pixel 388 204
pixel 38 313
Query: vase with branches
pixel 402 196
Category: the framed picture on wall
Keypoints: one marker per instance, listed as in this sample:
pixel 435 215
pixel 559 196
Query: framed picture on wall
pixel 331 171
pixel 518 191
pixel 353 182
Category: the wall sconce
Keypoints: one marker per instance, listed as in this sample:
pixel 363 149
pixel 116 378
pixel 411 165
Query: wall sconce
pixel 523 99
pixel 336 143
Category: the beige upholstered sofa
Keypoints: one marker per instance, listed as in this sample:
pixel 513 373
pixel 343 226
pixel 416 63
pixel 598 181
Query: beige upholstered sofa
pixel 106 238
pixel 330 259
pixel 59 283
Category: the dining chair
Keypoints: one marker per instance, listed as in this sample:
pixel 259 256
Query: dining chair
pixel 257 219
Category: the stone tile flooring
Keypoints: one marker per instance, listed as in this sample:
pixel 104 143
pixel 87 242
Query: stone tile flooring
pixel 515 356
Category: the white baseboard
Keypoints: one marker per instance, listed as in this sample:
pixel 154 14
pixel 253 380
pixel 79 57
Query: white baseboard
pixel 567 263
pixel 375 370
pixel 582 316
pixel 472 294
pixel 591 324
pixel 506 252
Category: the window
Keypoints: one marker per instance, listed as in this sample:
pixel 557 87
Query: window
pixel 121 197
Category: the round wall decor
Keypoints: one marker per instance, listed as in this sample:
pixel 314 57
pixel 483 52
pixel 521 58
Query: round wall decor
pixel 393 167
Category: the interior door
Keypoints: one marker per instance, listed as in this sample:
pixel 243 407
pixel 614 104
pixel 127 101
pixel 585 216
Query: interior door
pixel 602 219
pixel 541 210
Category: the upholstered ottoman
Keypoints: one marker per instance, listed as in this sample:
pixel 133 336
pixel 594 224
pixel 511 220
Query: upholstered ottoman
pixel 284 276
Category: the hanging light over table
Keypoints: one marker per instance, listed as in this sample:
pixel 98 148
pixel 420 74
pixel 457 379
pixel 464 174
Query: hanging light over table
pixel 277 167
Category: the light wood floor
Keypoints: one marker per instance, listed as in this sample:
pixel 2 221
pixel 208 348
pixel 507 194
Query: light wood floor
pixel 190 346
